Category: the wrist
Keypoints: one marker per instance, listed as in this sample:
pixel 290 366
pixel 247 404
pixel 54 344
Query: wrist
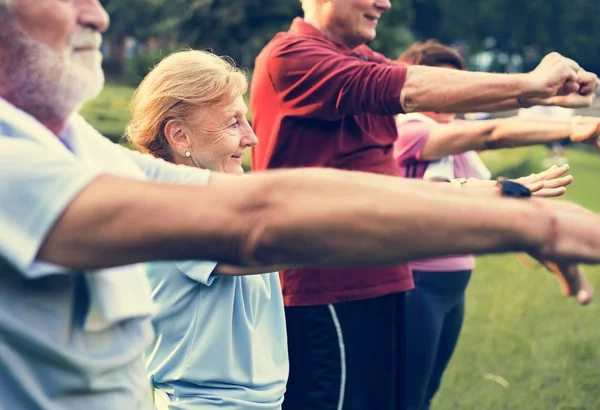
pixel 538 228
pixel 532 88
pixel 550 239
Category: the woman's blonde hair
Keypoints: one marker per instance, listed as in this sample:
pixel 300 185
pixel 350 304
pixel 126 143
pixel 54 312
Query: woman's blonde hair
pixel 178 88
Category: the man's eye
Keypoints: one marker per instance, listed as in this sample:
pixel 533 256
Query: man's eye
pixel 235 124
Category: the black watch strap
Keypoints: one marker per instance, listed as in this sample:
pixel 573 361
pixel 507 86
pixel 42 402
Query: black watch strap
pixel 512 189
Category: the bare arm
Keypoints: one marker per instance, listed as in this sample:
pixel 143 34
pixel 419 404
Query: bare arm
pixel 315 217
pixel 463 136
pixel 447 90
pixel 458 137
pixel 556 81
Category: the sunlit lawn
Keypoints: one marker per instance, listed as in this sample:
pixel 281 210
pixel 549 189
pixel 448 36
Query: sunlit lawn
pixel 523 345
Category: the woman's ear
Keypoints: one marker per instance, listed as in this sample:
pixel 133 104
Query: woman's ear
pixel 176 136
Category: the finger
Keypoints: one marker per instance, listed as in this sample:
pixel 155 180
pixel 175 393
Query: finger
pixel 573 64
pixel 558 182
pixel 535 187
pixel 553 172
pixel 570 86
pixel 530 179
pixel 550 192
pixel 587 88
pixel 573 281
pixel 588 82
pixel 585 292
pixel 573 70
pixel 584 132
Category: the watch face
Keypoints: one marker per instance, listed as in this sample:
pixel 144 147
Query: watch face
pixel 513 189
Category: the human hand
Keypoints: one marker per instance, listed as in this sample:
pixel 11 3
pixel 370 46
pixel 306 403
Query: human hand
pixel 548 183
pixel 573 235
pixel 584 130
pixel 554 75
pixel 561 81
pixel 572 280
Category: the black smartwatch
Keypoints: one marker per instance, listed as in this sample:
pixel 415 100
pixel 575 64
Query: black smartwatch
pixel 512 189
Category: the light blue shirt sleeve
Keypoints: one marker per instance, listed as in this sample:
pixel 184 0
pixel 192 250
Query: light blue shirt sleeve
pixel 36 186
pixel 162 171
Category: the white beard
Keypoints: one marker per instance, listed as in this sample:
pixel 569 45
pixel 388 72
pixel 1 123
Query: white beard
pixel 41 82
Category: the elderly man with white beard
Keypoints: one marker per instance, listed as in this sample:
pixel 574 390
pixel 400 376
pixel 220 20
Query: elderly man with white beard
pixel 77 217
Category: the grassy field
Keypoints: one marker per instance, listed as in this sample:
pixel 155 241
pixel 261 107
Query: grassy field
pixel 109 113
pixel 524 347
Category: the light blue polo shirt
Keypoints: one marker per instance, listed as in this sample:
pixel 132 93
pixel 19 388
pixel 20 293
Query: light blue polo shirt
pixel 220 340
pixel 49 359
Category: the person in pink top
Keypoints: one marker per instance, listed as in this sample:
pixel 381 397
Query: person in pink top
pixel 435 146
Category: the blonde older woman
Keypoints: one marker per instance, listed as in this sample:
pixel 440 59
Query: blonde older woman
pixel 220 340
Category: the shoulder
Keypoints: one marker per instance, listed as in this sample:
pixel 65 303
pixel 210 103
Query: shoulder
pixel 373 56
pixel 291 45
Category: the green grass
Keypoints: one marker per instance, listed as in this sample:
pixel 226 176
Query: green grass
pixel 524 347
pixel 109 113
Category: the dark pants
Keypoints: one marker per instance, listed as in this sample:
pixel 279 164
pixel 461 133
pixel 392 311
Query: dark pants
pixel 434 311
pixel 347 356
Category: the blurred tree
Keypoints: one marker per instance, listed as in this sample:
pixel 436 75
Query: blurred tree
pixel 136 18
pixel 517 26
pixel 239 29
pixel 393 31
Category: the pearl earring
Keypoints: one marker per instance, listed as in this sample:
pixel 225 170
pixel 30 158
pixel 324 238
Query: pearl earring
pixel 187 153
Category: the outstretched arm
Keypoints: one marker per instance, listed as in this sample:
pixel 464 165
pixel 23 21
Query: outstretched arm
pixel 556 81
pixel 462 136
pixel 311 217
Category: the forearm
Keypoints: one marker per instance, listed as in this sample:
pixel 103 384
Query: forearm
pixel 505 105
pixel 459 137
pixel 308 217
pixel 377 220
pixel 515 132
pixel 116 221
pixel 447 90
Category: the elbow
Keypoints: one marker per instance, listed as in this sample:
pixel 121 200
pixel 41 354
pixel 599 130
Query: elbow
pixel 260 227
pixel 260 246
pixel 280 226
pixel 408 101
